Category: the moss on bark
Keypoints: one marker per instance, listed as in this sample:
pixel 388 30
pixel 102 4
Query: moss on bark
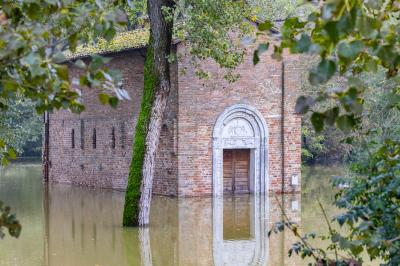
pixel 132 196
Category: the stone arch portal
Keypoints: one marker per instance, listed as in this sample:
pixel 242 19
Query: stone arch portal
pixel 241 127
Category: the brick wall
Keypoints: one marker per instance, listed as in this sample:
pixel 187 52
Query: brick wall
pixel 107 164
pixel 201 102
pixel 184 157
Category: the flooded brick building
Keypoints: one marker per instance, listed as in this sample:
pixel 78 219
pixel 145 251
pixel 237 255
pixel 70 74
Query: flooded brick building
pixel 217 137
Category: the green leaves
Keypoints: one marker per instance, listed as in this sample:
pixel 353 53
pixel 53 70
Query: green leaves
pixel 346 122
pixel 265 26
pixel 350 50
pixel 303 104
pixel 303 44
pixel 32 53
pixel 262 48
pixel 80 64
pixel 323 72
pixel 9 222
pixel 97 62
pixel 317 120
pixel 19 124
pixel 104 98
pixel 370 206
pixel 62 72
pixel 331 116
pixel 113 101
pixel 368 26
pixel 352 39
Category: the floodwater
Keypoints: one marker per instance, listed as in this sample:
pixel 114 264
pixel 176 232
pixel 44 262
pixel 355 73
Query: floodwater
pixel 66 225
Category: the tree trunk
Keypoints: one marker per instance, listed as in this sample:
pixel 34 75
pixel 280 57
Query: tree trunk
pixel 156 91
pixel 46 151
pixel 161 34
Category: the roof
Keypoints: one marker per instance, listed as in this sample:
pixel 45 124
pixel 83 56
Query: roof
pixel 123 41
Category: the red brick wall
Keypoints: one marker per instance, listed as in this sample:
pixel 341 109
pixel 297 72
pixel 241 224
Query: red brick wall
pixel 104 166
pixel 201 102
pixel 184 158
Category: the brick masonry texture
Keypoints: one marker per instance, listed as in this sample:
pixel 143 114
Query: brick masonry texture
pixel 184 158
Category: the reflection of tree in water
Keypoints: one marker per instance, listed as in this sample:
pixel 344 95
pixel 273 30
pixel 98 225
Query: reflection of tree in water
pixel 83 228
pixel 145 247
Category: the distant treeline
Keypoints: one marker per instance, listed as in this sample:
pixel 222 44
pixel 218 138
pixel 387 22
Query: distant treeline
pixel 21 127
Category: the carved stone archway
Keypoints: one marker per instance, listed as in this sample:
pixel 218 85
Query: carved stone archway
pixel 241 127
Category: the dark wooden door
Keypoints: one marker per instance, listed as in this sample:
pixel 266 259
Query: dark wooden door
pixel 236 171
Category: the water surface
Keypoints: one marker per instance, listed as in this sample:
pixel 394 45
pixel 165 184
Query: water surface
pixel 65 225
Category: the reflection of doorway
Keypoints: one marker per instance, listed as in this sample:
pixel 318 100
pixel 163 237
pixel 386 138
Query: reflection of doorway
pixel 240 228
pixel 237 218
pixel 236 166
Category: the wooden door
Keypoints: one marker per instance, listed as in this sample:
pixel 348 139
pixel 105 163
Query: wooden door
pixel 236 171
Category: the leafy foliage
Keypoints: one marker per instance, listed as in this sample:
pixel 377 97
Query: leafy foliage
pixel 32 50
pixel 328 145
pixel 20 124
pixel 351 37
pixel 312 145
pixel 220 30
pixel 379 123
pixel 208 27
pixel 354 38
pixel 372 206
pixel 137 13
pixel 9 222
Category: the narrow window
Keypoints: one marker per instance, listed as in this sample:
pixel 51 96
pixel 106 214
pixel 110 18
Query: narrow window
pixel 73 138
pixel 113 137
pixel 82 134
pixel 122 129
pixel 94 138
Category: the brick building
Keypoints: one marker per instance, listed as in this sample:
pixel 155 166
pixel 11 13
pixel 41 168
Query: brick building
pixel 217 137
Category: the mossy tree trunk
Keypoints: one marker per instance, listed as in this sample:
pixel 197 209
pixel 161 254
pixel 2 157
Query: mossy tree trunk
pixel 156 91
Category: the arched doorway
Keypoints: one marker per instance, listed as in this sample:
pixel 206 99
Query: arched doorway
pixel 240 130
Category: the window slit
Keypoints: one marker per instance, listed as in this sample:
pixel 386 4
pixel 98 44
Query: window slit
pixel 113 137
pixel 94 138
pixel 73 138
pixel 122 129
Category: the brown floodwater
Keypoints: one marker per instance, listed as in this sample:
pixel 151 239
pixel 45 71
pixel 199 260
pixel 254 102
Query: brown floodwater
pixel 67 225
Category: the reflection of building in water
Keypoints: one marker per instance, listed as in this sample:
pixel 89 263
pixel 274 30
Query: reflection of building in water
pixel 83 228
pixel 240 226
pixel 279 244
